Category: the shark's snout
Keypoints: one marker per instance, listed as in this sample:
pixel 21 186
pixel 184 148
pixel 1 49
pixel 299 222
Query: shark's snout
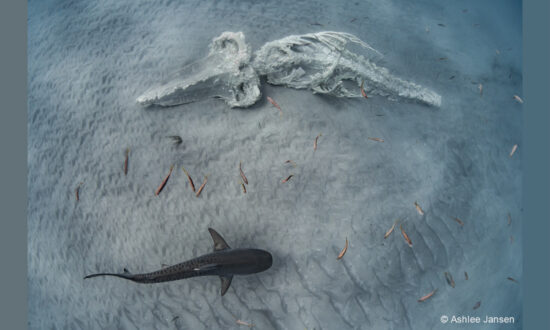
pixel 265 260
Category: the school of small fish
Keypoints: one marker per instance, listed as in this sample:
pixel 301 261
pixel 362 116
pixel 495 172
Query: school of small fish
pixel 250 325
pixel 388 233
pixel 449 279
pixel 202 186
pixel 126 161
pixel 288 178
pixel 458 221
pixel 245 180
pixel 418 208
pixel 291 163
pixel 428 296
pixel 163 183
pixel 405 236
pixel 315 142
pixel 344 250
pixel 191 184
pixel 363 91
pixel 77 191
pixel 176 139
pixel 514 148
pixel 275 105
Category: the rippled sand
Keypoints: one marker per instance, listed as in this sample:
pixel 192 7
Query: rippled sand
pixel 89 61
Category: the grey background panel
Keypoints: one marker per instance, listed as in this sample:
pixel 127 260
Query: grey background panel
pixel 89 61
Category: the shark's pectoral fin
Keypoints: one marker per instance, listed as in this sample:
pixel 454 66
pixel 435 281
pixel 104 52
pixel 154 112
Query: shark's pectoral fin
pixel 226 282
pixel 219 242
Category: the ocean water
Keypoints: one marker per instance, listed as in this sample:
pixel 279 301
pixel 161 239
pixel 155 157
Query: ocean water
pixel 88 62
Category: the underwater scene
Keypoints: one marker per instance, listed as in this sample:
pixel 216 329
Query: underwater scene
pixel 274 164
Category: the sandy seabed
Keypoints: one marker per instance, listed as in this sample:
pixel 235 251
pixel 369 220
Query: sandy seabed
pixel 89 61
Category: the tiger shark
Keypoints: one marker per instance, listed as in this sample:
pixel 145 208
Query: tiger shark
pixel 223 262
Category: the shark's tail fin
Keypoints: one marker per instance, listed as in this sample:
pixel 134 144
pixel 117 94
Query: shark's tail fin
pixel 126 275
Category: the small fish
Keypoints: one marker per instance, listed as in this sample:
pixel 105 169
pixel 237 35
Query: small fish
pixel 442 58
pixel 343 251
pixel 449 279
pixel 363 91
pixel 159 189
pixel 275 105
pixel 376 139
pixel 418 208
pixel 440 24
pixel 511 239
pixel 242 173
pixel 189 179
pixel 290 162
pixel 427 29
pixel 517 98
pixel 176 139
pixel 475 24
pixel 315 23
pixel 509 219
pixel 458 221
pixel 476 306
pixel 428 296
pixel 514 148
pixel 464 10
pixel 175 318
pixel 126 161
pixel 250 325
pixel 285 180
pixel 202 186
pixel 388 233
pixel 497 51
pixel 244 188
pixel 315 143
pixel 353 20
pixel 512 279
pixel 466 276
pixel 480 86
pixel 451 77
pixel 77 191
pixel 405 236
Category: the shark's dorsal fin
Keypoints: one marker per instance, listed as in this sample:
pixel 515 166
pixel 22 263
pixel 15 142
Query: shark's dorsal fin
pixel 126 271
pixel 226 282
pixel 219 242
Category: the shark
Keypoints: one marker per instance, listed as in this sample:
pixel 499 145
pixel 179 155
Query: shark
pixel 223 262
